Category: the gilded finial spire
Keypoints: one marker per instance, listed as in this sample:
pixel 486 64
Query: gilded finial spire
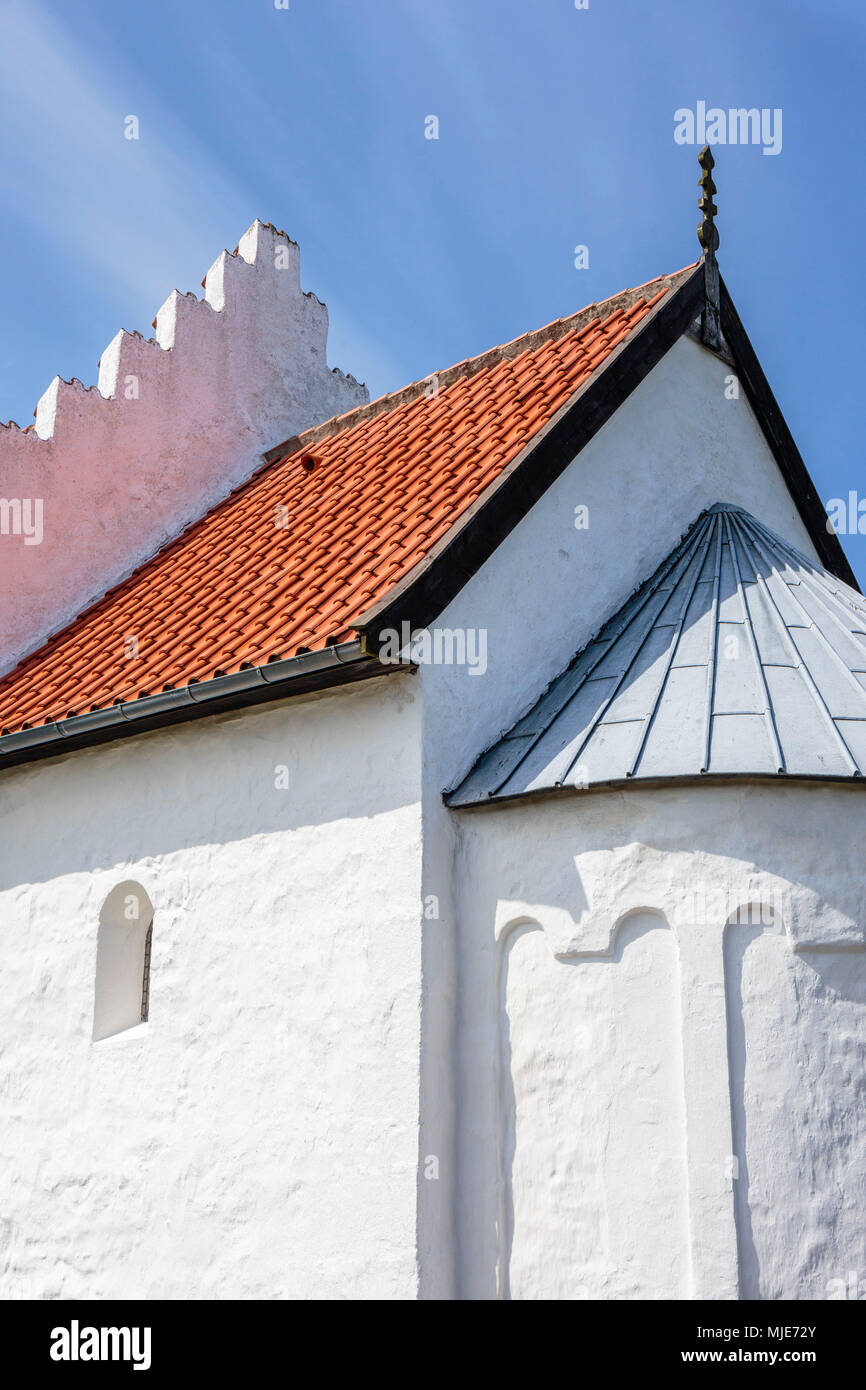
pixel 708 236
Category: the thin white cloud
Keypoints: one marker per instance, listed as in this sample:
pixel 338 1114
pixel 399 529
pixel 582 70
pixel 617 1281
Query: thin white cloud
pixel 138 215
pixel 70 173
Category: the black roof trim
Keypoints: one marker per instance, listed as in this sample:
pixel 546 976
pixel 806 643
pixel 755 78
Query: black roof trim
pixel 435 581
pixel 781 443
pixel 298 675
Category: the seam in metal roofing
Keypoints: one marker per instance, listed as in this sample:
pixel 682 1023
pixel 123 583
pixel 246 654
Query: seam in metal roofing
pixel 739 657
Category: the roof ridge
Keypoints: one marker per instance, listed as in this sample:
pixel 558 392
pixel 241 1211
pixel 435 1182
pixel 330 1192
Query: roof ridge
pixel 444 377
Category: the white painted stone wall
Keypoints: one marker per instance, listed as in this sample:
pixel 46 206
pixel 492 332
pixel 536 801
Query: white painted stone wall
pixel 336 968
pixel 797 1054
pixel 113 472
pixel 678 445
pixel 591 1123
pixel 670 991
pixel 258 1137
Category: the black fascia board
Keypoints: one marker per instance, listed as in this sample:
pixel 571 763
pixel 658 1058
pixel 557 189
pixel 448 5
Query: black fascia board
pixel 333 666
pixel 440 576
pixel 435 581
pixel 781 443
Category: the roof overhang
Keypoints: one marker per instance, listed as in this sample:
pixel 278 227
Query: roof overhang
pixel 740 657
pixel 431 585
pixel 656 784
pixel 306 674
pixel 428 588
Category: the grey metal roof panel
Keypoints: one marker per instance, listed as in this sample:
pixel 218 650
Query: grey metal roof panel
pixel 739 657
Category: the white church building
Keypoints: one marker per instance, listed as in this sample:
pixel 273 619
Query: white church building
pixel 431 828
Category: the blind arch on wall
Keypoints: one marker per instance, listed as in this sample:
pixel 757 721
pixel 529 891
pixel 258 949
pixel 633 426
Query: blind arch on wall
pixel 122 987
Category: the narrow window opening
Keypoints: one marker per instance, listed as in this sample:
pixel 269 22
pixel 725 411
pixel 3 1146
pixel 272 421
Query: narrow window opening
pixel 123 955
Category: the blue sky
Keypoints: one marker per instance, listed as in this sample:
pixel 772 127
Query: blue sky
pixel 556 129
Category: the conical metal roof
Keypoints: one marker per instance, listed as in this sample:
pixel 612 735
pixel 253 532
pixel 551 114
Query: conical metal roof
pixel 739 657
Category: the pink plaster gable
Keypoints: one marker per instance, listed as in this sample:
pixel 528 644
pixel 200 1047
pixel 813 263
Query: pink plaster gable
pixel 109 473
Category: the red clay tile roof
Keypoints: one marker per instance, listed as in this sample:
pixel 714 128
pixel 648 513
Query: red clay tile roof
pixel 336 519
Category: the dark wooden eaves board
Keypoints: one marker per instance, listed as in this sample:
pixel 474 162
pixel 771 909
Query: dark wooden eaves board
pixel 781 442
pixel 442 574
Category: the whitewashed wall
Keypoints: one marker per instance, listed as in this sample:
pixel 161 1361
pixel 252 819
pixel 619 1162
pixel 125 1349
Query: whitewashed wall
pixel 591 1123
pixel 324 1009
pixel 258 1136
pixel 662 1045
pixel 678 445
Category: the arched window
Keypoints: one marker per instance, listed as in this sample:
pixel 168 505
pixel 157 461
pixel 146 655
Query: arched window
pixel 123 945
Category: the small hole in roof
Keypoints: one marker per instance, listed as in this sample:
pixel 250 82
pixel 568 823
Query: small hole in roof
pixel 308 463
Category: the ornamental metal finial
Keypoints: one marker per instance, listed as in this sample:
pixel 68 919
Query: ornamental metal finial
pixel 708 236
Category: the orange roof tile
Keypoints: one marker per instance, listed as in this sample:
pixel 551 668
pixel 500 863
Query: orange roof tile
pixel 336 518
